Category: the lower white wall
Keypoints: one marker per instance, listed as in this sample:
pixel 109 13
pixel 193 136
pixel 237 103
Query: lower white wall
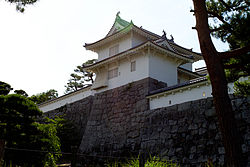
pixel 201 91
pixel 66 99
pixel 163 69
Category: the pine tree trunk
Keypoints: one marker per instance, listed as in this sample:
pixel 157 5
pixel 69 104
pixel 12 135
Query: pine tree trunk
pixel 223 106
pixel 2 145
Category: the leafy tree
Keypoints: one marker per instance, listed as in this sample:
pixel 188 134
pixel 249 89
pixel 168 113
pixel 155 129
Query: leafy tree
pixel 21 92
pixel 68 134
pixel 80 78
pixel 231 24
pixel 215 67
pixel 49 142
pixel 5 88
pixel 74 83
pixel 87 75
pixel 19 127
pixel 44 96
pixel 20 4
pixel 242 88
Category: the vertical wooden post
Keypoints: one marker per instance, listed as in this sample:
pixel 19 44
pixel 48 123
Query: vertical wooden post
pixel 142 160
pixel 74 156
pixel 2 145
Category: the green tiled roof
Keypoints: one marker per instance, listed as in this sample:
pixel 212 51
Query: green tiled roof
pixel 120 23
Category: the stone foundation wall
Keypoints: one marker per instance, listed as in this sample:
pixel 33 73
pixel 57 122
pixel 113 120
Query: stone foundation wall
pixel 77 112
pixel 189 133
pixel 114 123
pixel 118 122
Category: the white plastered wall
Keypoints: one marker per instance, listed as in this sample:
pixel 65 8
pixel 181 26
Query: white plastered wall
pixel 124 44
pixel 163 69
pixel 191 93
pixel 182 77
pixel 67 99
pixel 187 66
pixel 137 39
pixel 125 75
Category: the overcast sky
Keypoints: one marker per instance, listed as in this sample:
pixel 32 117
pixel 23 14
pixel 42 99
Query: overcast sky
pixel 41 47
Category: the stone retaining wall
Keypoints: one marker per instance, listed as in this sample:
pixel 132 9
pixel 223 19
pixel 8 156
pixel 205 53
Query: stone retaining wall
pixel 118 122
pixel 189 134
pixel 77 112
pixel 113 125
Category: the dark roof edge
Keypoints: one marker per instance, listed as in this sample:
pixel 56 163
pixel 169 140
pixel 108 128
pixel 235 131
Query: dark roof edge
pixel 191 82
pixel 135 48
pixel 98 62
pixel 194 73
pixel 106 37
pixel 186 49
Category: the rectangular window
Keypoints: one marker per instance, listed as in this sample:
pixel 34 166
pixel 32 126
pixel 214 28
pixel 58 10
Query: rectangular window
pixel 113 50
pixel 133 66
pixel 113 73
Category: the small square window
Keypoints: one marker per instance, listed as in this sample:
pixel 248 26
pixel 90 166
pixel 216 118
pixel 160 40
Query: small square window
pixel 133 66
pixel 113 73
pixel 113 50
pixel 203 94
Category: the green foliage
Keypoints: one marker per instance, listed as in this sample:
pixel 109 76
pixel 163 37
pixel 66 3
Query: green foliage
pixel 231 20
pixel 152 162
pixel 5 88
pixel 49 141
pixel 67 133
pixel 21 92
pixel 74 83
pixel 156 162
pixel 18 114
pixel 210 163
pixel 22 133
pixel 80 78
pixel 20 4
pixel 88 76
pixel 242 88
pixel 44 96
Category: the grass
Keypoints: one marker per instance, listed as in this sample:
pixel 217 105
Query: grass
pixel 151 162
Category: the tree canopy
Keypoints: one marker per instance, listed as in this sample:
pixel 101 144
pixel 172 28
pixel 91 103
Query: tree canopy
pixel 44 96
pixel 5 88
pixel 80 78
pixel 20 4
pixel 228 15
pixel 22 132
pixel 21 92
pixel 230 23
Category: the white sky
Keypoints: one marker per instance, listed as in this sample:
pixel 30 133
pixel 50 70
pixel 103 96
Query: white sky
pixel 41 47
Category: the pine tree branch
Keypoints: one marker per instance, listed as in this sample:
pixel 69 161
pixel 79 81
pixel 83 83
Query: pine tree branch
pixel 215 29
pixel 235 53
pixel 226 5
pixel 233 66
pixel 241 8
pixel 213 14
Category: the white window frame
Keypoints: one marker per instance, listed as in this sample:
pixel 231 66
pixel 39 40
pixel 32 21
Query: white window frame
pixel 133 66
pixel 113 73
pixel 114 50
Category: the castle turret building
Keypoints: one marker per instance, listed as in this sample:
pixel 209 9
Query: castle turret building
pixel 128 54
